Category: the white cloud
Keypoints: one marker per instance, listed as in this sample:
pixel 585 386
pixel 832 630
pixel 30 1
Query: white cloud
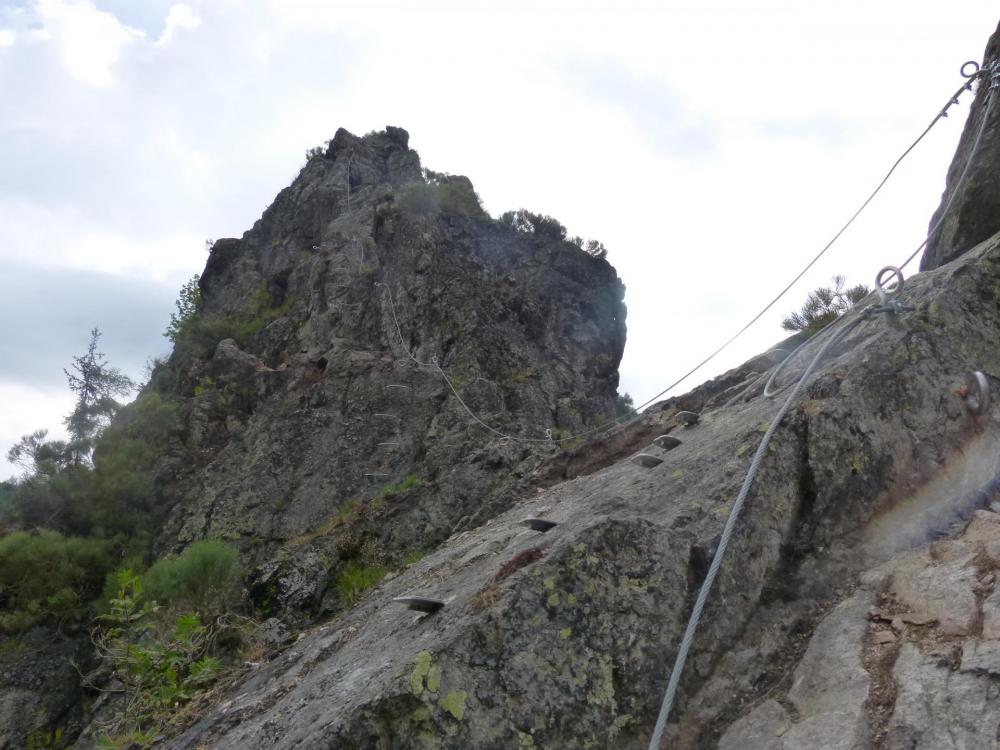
pixel 718 135
pixel 7 37
pixel 179 16
pixel 26 409
pixel 90 40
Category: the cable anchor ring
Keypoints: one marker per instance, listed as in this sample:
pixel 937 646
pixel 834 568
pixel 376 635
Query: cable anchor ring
pixel 977 398
pixel 887 290
pixel 548 434
pixel 975 69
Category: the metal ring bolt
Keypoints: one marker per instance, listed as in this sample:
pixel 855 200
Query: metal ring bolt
pixel 975 69
pixel 887 291
pixel 977 397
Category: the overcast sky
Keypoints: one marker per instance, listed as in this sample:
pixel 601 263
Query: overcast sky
pixel 712 146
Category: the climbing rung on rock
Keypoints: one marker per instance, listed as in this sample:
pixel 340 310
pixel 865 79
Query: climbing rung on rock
pixel 399 386
pixel 387 445
pixel 646 461
pixel 538 524
pixel 666 442
pixel 688 417
pixel 382 415
pixel 419 603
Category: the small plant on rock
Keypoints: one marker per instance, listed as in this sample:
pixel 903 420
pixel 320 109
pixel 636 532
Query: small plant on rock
pixel 825 305
pixel 156 671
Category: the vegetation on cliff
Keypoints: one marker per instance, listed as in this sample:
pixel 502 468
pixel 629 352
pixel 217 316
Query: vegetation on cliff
pixel 162 629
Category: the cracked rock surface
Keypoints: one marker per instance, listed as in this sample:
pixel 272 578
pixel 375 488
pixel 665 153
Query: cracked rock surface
pixel 572 645
pixel 930 684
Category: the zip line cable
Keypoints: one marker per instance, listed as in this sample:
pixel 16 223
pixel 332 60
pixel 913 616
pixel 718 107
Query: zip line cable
pixel 621 423
pixel 887 304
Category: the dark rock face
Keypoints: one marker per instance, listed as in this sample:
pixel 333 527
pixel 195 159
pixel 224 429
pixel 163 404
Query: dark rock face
pixel 40 700
pixel 327 435
pixel 975 214
pixel 832 619
pixel 564 639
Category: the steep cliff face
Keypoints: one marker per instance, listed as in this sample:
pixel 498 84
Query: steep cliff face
pixel 565 639
pixel 322 431
pixel 836 621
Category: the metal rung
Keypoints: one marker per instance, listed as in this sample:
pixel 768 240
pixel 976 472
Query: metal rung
pixel 646 461
pixel 385 445
pixel 382 415
pixel 538 524
pixel 374 475
pixel 688 417
pixel 667 442
pixel 397 385
pixel 420 603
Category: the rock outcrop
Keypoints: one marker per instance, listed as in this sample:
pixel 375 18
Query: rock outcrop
pixel 837 620
pixel 857 607
pixel 321 429
pixel 975 213
pixel 564 639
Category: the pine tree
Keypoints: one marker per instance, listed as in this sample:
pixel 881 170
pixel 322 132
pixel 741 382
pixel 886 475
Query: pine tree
pixel 95 384
pixel 825 305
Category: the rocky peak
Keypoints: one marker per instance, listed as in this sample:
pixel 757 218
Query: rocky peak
pixel 324 432
pixel 839 618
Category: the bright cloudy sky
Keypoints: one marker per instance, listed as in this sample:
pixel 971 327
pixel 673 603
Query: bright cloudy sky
pixel 712 146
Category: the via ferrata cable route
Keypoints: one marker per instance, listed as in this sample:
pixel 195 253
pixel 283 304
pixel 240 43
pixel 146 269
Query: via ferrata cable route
pixel 970 70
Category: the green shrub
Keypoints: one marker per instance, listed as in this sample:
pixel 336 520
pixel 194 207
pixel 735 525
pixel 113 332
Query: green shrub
pixel 355 579
pixel 159 668
pixel 624 405
pixel 186 303
pixel 409 483
pixel 413 556
pixel 46 577
pixel 526 221
pixel 450 196
pixel 200 334
pixel 206 577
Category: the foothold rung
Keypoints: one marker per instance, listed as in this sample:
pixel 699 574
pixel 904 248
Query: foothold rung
pixel 420 603
pixel 688 417
pixel 538 524
pixel 381 415
pixel 646 461
pixel 398 386
pixel 667 442
pixel 387 445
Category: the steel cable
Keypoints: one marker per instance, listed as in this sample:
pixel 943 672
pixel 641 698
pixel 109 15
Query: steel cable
pixel 622 423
